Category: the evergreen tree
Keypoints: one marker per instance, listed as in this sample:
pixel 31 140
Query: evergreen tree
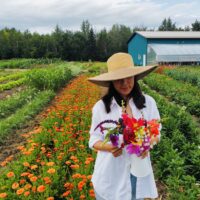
pixel 196 26
pixel 167 25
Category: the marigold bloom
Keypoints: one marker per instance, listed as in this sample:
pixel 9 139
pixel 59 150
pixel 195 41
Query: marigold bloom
pixel 25 174
pixel 20 191
pixel 50 164
pixel 33 179
pixel 34 167
pixel 34 189
pixel 91 193
pixel 89 177
pixel 10 174
pixel 3 195
pixel 82 196
pixel 41 188
pixel 76 175
pixel 26 193
pixel 26 164
pixel 15 185
pixel 22 181
pixel 87 162
pixel 27 186
pixel 51 171
pixel 74 166
pixel 50 198
pixel 80 185
pixel 67 193
pixel 68 162
pixel 47 180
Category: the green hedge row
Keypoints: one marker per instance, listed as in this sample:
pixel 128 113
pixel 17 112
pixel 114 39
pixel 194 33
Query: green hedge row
pixel 177 157
pixel 182 93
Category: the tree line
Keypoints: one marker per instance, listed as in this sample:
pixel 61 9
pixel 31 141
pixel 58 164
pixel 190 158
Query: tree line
pixel 82 45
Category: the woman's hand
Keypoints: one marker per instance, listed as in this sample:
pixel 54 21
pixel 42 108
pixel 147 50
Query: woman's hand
pixel 144 154
pixel 116 151
pixel 154 141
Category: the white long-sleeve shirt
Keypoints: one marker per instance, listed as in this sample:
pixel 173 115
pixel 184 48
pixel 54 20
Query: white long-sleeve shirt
pixel 111 176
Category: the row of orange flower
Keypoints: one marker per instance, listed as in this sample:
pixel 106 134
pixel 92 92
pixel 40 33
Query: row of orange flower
pixel 56 162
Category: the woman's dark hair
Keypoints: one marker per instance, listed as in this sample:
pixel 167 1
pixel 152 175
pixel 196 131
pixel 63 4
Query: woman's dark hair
pixel 136 93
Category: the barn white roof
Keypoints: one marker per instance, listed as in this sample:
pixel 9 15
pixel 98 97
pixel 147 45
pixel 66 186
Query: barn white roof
pixel 170 34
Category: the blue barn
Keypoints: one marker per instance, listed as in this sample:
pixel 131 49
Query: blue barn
pixel 148 47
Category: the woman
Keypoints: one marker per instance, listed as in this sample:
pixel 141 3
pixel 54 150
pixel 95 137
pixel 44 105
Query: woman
pixel 114 177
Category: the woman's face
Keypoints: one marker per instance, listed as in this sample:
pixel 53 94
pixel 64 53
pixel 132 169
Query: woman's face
pixel 124 86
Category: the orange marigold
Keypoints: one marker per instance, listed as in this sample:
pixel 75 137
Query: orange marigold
pixel 10 174
pixel 47 180
pixel 41 188
pixel 33 179
pixel 82 196
pixel 15 185
pixel 50 164
pixel 22 181
pixel 34 167
pixel 26 164
pixel 68 162
pixel 50 198
pixel 26 193
pixel 51 171
pixel 91 193
pixel 67 193
pixel 74 166
pixel 3 195
pixel 20 191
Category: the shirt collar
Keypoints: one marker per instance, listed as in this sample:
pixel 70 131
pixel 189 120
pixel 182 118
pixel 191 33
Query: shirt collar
pixel 114 102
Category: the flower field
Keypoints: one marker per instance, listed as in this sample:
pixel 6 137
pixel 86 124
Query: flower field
pixel 56 163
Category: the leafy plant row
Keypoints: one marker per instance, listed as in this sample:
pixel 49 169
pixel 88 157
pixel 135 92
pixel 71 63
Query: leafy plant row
pixel 12 84
pixel 52 78
pixel 25 63
pixel 185 74
pixel 177 156
pixel 18 118
pixel 16 101
pixel 12 77
pixel 182 93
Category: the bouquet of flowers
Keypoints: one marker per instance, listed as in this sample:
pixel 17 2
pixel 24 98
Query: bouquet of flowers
pixel 137 133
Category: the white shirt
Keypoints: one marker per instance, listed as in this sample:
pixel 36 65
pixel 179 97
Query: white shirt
pixel 111 176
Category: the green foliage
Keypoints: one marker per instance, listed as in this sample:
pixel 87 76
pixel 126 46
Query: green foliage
pixel 25 63
pixel 10 104
pixel 51 78
pixel 17 119
pixel 167 25
pixel 186 74
pixel 182 93
pixel 12 84
pixel 176 158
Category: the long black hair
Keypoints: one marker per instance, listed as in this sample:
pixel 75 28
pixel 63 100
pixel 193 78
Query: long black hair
pixel 136 94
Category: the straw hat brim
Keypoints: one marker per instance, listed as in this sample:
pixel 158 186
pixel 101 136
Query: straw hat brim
pixel 105 78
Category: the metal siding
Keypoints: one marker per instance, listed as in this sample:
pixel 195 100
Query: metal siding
pixel 137 47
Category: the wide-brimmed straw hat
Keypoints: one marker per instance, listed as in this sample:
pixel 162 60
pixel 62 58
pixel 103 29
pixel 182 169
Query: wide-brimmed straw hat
pixel 121 65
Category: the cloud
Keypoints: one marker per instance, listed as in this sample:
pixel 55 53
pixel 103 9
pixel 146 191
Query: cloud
pixel 43 15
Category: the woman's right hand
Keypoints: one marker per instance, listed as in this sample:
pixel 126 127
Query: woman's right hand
pixel 116 151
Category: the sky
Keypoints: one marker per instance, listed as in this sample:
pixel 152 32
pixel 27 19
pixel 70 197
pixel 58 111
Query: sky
pixel 42 16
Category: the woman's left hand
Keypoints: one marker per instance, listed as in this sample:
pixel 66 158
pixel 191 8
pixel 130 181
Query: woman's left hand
pixel 144 154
